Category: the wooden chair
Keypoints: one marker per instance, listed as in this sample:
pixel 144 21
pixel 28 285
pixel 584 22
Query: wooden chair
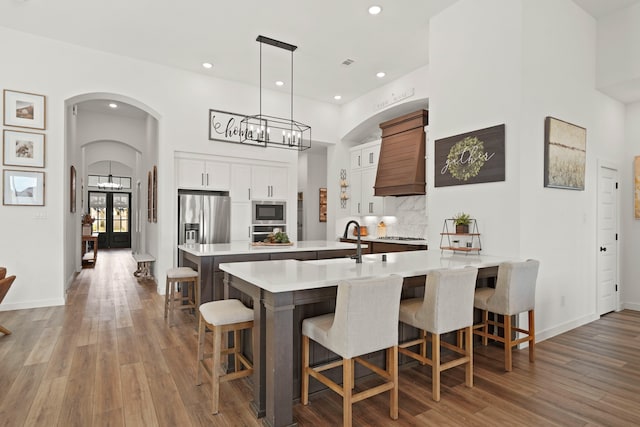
pixel 174 299
pixel 221 317
pixel 447 306
pixel 5 284
pixel 515 293
pixel 365 320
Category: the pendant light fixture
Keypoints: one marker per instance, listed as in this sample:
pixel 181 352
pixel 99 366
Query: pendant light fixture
pixel 109 185
pixel 270 131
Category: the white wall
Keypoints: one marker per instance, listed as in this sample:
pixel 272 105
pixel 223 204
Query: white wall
pixel 630 238
pixel 312 175
pixel 505 61
pixel 181 100
pixel 618 61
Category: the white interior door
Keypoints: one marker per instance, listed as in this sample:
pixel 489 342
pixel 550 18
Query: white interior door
pixel 607 239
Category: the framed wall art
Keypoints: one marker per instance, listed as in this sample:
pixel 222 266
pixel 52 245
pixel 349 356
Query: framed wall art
pixel 72 190
pixel 323 204
pixel 154 208
pixel 23 148
pixel 23 188
pixel 565 154
pixel 25 110
pixel 149 197
pixel 636 174
pixel 470 158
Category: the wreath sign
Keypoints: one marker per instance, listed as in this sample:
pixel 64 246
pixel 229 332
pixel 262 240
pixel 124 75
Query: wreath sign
pixel 466 158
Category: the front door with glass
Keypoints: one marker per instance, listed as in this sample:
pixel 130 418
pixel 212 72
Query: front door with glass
pixel 112 220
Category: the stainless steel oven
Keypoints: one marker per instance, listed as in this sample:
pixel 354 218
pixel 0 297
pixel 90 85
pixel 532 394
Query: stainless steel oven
pixel 267 212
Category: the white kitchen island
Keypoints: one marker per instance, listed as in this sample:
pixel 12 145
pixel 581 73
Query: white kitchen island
pixel 205 259
pixel 284 292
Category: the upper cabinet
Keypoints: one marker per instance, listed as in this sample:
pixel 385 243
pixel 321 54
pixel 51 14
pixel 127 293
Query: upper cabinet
pixel 269 183
pixel 196 174
pixel 364 162
pixel 240 183
pixel 364 156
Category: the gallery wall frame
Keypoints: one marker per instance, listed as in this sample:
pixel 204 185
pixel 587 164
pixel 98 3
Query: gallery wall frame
pixel 72 189
pixel 636 174
pixel 24 109
pixel 470 158
pixel 23 188
pixel 154 209
pixel 565 154
pixel 323 204
pixel 26 149
pixel 149 197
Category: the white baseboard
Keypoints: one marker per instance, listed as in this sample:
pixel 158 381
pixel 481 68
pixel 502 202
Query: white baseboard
pixel 560 329
pixel 630 306
pixel 32 304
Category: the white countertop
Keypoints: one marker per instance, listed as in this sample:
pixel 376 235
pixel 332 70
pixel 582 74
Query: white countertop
pixel 292 275
pixel 240 248
pixel 393 241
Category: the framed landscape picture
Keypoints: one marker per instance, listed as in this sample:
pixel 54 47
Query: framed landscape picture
pixel 565 154
pixel 25 110
pixel 23 188
pixel 23 149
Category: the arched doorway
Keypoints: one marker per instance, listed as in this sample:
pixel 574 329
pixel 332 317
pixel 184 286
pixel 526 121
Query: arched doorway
pixel 103 127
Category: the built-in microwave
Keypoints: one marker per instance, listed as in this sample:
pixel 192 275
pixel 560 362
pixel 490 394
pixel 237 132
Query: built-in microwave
pixel 267 212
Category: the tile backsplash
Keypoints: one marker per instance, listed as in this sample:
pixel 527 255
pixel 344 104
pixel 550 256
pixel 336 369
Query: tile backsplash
pixel 410 219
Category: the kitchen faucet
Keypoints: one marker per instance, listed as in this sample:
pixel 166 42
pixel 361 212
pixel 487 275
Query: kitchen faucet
pixel 358 255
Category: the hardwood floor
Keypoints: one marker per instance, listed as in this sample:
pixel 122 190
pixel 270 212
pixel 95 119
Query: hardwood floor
pixel 107 358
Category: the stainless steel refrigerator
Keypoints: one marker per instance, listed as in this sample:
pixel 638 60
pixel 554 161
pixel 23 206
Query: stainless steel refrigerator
pixel 204 217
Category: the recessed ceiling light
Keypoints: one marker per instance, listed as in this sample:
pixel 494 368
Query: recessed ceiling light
pixel 207 65
pixel 337 97
pixel 381 74
pixel 113 105
pixel 374 10
pixel 279 83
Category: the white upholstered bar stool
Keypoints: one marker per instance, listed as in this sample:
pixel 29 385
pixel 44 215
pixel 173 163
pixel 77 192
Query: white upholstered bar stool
pixel 365 320
pixel 447 306
pixel 515 293
pixel 174 299
pixel 223 316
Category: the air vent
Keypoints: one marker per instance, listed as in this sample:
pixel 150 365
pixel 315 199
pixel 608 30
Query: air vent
pixel 347 62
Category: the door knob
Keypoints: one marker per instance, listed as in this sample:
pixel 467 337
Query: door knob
pixel 603 249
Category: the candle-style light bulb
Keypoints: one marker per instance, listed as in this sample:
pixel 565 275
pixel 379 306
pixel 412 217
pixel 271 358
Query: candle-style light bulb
pixel 283 141
pixel 268 133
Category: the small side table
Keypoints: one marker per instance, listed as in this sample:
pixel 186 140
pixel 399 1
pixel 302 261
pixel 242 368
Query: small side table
pixel 89 257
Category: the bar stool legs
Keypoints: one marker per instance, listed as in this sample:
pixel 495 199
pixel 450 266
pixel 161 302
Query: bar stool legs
pixel 222 317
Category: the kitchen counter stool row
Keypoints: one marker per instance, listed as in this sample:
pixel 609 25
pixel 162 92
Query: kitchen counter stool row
pixel 366 319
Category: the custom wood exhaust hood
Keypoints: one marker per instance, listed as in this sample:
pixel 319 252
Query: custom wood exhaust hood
pixel 401 167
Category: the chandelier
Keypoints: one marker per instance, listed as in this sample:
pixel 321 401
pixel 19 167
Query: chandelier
pixel 272 131
pixel 109 185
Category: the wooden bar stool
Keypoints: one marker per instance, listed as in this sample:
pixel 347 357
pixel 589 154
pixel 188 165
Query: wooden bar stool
pixel 5 284
pixel 189 278
pixel 515 293
pixel 365 320
pixel 220 317
pixel 447 306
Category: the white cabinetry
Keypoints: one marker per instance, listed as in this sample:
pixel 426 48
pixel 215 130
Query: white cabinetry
pixel 199 174
pixel 364 166
pixel 269 183
pixel 240 190
pixel 240 193
pixel 240 221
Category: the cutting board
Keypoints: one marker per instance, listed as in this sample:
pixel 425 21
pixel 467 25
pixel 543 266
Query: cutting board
pixel 271 244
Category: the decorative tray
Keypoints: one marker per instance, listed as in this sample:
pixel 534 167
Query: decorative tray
pixel 271 244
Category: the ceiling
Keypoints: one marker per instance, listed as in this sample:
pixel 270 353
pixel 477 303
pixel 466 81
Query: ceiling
pixel 184 34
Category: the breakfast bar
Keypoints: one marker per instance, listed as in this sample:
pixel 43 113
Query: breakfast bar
pixel 281 289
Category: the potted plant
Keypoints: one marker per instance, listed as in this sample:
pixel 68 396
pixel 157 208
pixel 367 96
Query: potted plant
pixel 462 221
